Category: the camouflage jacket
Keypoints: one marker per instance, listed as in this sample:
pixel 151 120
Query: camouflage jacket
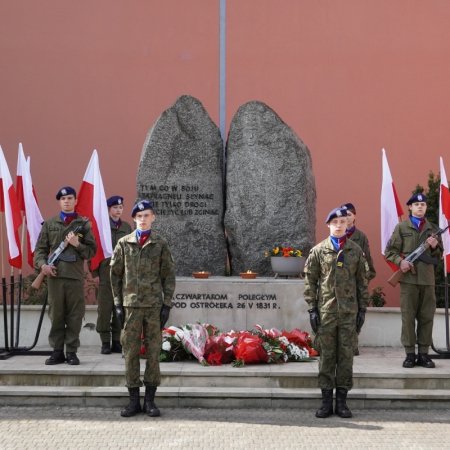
pixel 103 269
pixel 333 287
pixel 361 239
pixel 71 262
pixel 404 240
pixel 144 276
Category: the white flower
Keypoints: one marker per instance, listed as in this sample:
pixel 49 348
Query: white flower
pixel 166 346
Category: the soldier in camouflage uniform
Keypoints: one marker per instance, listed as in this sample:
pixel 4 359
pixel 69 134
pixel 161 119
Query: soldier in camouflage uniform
pixel 66 281
pixel 336 291
pixel 356 235
pixel 143 283
pixel 417 296
pixel 108 326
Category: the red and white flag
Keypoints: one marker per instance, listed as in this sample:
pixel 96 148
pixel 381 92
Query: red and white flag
pixel 391 209
pixel 92 204
pixel 26 197
pixel 13 219
pixel 444 215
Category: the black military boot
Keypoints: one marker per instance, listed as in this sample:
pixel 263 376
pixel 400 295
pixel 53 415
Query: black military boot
pixel 106 348
pixel 134 406
pixel 425 361
pixel 326 410
pixel 57 357
pixel 342 410
pixel 410 361
pixel 116 347
pixel 149 402
pixel 72 359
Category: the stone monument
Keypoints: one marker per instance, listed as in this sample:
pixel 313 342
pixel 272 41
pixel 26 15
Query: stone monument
pixel 270 189
pixel 181 172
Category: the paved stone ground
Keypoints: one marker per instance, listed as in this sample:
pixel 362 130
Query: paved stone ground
pixel 103 428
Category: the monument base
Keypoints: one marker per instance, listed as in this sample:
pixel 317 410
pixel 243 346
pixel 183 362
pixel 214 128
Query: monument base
pixel 233 303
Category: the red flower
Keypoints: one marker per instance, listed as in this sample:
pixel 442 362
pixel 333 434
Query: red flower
pixel 249 348
pixel 214 359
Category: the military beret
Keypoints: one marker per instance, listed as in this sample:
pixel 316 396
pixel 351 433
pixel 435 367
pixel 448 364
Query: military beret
pixel 336 212
pixel 114 200
pixel 350 207
pixel 141 206
pixel 417 198
pixel 66 190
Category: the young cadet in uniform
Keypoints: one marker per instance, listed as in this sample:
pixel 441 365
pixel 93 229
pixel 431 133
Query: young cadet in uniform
pixel 66 281
pixel 417 296
pixel 336 291
pixel 143 283
pixel 108 326
pixel 356 235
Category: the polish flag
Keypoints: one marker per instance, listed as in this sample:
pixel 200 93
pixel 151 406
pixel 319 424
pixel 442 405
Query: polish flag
pixel 28 203
pixel 92 204
pixel 13 219
pixel 444 215
pixel 391 209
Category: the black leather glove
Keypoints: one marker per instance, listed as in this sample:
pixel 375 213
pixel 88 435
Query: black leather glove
pixel 120 315
pixel 314 319
pixel 164 316
pixel 360 318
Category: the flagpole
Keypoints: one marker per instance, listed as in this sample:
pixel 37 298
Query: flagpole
pixel 5 308
pixel 19 293
pixel 446 312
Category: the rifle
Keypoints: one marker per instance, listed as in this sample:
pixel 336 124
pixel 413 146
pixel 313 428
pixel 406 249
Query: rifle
pixel 55 256
pixel 414 256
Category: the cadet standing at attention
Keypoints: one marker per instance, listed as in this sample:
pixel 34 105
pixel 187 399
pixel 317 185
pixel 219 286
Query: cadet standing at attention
pixel 108 326
pixel 66 281
pixel 336 291
pixel 356 235
pixel 417 296
pixel 143 283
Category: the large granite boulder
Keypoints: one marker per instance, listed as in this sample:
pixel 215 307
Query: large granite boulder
pixel 181 171
pixel 270 189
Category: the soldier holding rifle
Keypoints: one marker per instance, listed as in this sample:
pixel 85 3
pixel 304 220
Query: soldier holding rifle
pixel 65 281
pixel 417 295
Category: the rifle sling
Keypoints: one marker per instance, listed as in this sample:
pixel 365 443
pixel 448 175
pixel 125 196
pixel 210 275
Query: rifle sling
pixel 427 259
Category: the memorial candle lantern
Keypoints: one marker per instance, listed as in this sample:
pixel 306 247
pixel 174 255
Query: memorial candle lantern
pixel 248 275
pixel 201 274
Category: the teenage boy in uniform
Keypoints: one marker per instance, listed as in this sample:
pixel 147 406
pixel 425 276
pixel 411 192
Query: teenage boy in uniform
pixel 108 326
pixel 66 281
pixel 336 292
pixel 356 235
pixel 143 283
pixel 417 296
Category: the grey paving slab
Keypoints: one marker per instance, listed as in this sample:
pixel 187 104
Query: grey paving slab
pixel 244 428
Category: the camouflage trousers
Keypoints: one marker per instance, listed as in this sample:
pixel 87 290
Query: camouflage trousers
pixel 417 303
pixel 141 322
pixel 66 312
pixel 335 338
pixel 107 325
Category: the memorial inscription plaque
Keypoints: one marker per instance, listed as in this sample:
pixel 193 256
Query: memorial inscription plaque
pixel 181 172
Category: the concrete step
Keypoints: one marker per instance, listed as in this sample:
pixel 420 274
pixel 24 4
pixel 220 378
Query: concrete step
pixel 379 381
pixel 191 374
pixel 170 397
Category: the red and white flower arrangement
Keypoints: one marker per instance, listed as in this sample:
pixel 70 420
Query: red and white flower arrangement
pixel 210 346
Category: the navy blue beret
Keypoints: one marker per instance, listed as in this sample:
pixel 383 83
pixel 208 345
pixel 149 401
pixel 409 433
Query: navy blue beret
pixel 336 212
pixel 114 200
pixel 350 207
pixel 417 198
pixel 141 206
pixel 66 190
